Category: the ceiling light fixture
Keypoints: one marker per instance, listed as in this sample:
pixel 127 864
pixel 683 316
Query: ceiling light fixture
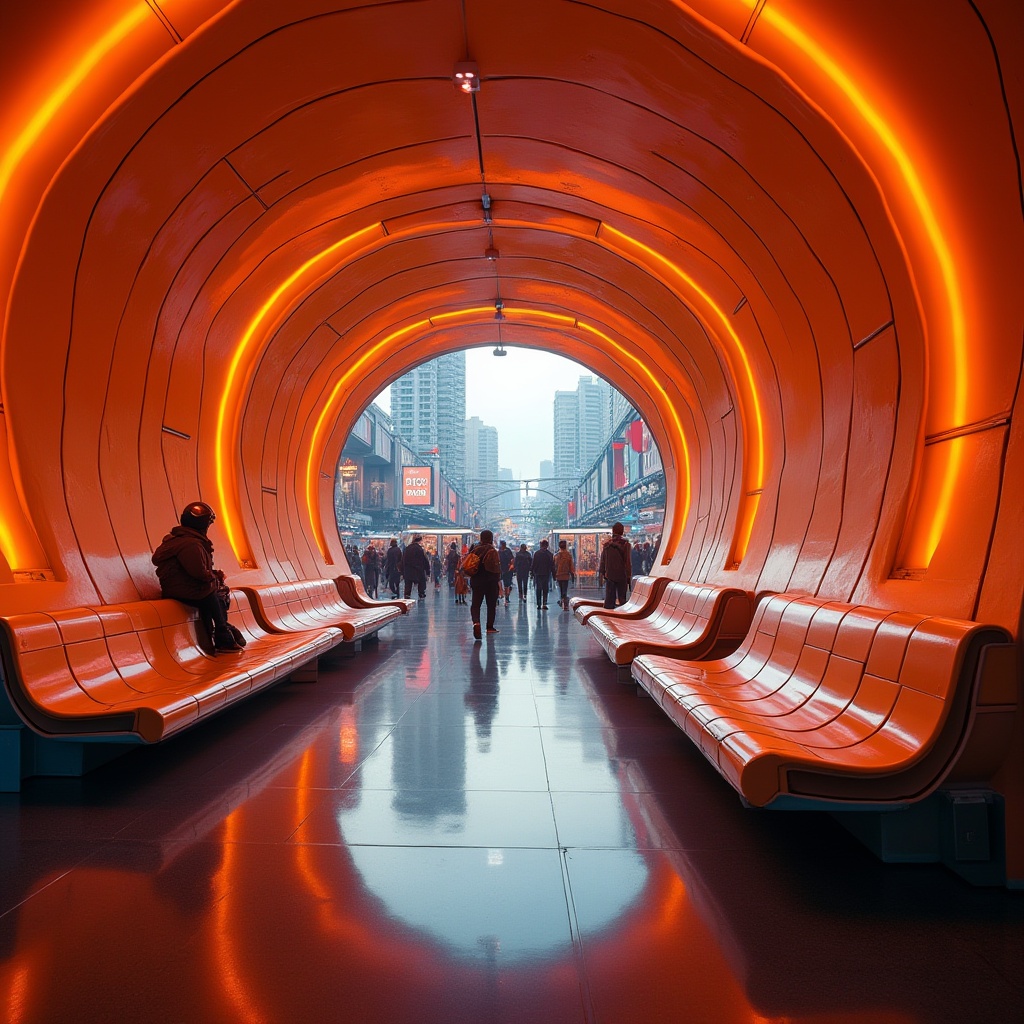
pixel 500 350
pixel 491 253
pixel 499 310
pixel 466 76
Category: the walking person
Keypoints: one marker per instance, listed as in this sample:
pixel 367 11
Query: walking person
pixel 415 568
pixel 565 570
pixel 637 559
pixel 507 560
pixel 371 569
pixel 524 566
pixel 451 563
pixel 184 566
pixel 393 567
pixel 484 581
pixel 436 570
pixel 615 567
pixel 543 563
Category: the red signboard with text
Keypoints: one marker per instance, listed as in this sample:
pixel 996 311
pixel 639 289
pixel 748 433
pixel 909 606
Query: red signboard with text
pixel 417 485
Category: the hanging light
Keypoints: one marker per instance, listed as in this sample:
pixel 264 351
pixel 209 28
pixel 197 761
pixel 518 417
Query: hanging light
pixel 466 76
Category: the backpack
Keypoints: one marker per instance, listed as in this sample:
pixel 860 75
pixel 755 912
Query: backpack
pixel 471 564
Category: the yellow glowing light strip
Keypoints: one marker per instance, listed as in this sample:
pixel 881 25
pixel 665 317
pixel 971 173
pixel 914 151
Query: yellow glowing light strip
pixel 752 417
pixel 227 413
pixel 680 445
pixel 943 256
pixel 28 137
pixel 677 443
pixel 44 115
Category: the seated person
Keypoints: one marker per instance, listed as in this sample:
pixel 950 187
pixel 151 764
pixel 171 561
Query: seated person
pixel 184 566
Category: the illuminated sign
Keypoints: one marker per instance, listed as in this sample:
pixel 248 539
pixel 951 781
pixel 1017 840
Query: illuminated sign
pixel 417 485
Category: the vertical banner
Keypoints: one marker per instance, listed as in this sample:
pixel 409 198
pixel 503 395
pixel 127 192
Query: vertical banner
pixel 417 485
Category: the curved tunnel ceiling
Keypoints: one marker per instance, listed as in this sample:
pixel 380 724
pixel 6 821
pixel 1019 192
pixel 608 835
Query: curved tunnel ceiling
pixel 706 205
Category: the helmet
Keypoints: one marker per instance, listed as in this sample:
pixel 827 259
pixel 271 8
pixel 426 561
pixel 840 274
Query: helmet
pixel 198 516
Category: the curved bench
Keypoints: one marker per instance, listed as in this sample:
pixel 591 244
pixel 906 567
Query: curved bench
pixel 691 621
pixel 845 704
pixel 353 593
pixel 136 672
pixel 645 594
pixel 301 605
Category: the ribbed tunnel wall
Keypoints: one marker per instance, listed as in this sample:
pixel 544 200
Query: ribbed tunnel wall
pixel 790 232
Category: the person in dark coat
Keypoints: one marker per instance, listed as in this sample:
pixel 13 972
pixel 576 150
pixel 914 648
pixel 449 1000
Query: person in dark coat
pixel 451 562
pixel 543 563
pixel 524 564
pixel 616 567
pixel 415 567
pixel 436 570
pixel 393 567
pixel 371 569
pixel 507 560
pixel 485 582
pixel 184 566
pixel 637 559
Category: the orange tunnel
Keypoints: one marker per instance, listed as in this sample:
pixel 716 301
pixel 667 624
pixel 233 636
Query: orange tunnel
pixel 789 231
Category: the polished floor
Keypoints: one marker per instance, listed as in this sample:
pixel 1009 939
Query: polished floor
pixel 442 830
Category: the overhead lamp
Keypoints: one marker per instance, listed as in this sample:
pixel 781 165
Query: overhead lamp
pixel 466 76
pixel 491 253
pixel 500 350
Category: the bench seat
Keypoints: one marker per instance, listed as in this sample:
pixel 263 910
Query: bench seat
pixel 137 671
pixel 841 704
pixel 353 593
pixel 643 596
pixel 301 605
pixel 691 621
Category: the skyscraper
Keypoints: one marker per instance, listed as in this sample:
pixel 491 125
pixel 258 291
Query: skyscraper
pixel 481 450
pixel 582 423
pixel 428 408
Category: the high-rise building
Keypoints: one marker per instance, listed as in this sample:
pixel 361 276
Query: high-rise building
pixel 428 408
pixel 481 448
pixel 582 421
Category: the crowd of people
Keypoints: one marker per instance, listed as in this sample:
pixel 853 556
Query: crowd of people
pixel 485 574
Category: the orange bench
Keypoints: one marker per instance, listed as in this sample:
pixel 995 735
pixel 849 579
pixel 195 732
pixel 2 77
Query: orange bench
pixel 691 621
pixel 842 704
pixel 302 605
pixel 353 593
pixel 129 673
pixel 643 596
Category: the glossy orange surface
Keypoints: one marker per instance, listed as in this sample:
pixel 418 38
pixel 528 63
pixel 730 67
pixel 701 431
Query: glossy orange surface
pixel 790 231
pixel 446 831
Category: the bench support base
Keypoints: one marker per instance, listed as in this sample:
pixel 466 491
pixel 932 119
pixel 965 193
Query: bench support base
pixel 962 829
pixel 23 754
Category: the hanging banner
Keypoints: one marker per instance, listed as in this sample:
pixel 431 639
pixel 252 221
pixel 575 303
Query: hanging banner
pixel 417 485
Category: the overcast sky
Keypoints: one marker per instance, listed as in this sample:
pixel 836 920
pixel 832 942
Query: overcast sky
pixel 516 394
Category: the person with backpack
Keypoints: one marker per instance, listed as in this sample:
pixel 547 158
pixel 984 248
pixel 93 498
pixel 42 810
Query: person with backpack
pixel 483 567
pixel 565 570
pixel 616 567
pixel 524 564
pixel 543 562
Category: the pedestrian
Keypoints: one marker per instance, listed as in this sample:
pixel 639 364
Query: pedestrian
pixel 436 570
pixel 507 560
pixel 393 567
pixel 451 563
pixel 614 570
pixel 636 556
pixel 184 566
pixel 415 568
pixel 543 562
pixel 485 581
pixel 565 570
pixel 648 558
pixel 523 564
pixel 371 569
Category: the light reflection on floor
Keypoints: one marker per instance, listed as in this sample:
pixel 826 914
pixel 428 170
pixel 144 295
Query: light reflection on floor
pixel 443 830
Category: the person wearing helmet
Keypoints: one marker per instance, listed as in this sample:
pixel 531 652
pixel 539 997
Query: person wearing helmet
pixel 184 566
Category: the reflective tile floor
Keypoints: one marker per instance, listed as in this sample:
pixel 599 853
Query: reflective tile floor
pixel 442 830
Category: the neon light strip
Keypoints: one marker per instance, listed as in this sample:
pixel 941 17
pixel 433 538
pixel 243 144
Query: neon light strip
pixel 943 258
pixel 677 443
pixel 230 402
pixel 749 401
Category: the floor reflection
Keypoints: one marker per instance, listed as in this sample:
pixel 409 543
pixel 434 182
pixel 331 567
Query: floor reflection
pixel 443 830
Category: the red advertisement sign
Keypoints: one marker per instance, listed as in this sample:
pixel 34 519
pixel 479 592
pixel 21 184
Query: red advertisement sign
pixel 417 485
